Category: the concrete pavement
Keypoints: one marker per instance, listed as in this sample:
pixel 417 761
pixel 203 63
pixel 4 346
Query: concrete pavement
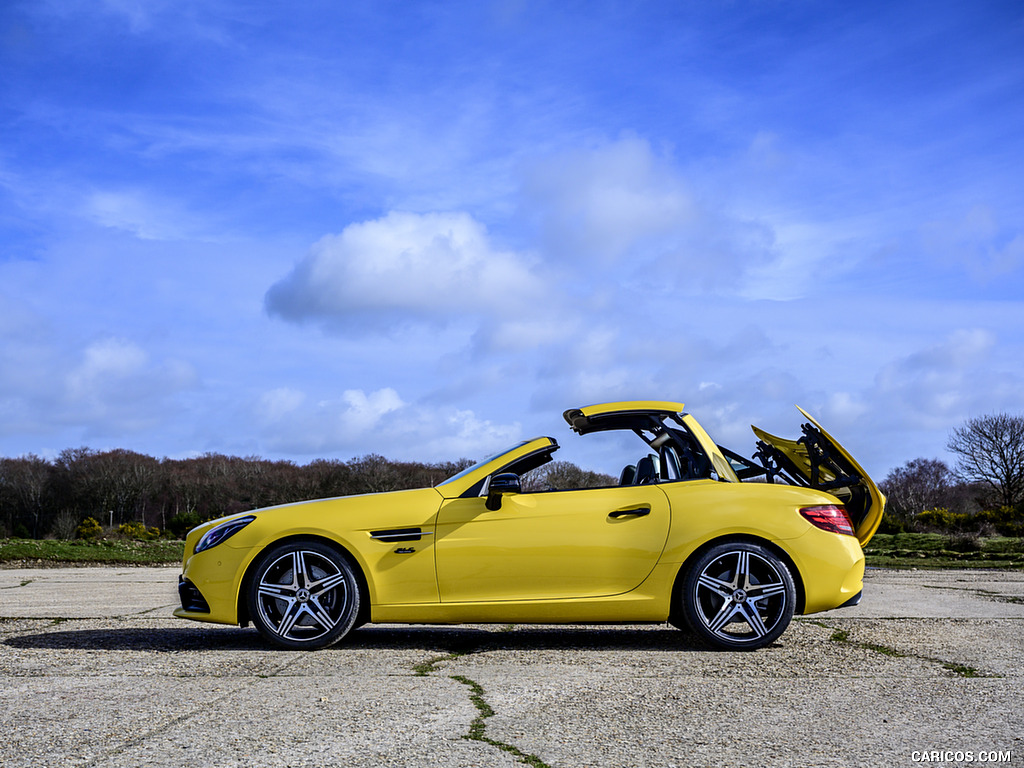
pixel 95 672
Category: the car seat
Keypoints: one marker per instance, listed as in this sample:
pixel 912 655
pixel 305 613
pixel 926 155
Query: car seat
pixel 647 470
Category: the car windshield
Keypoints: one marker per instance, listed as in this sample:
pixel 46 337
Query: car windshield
pixel 475 467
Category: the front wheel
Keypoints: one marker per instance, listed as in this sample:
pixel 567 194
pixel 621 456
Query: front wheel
pixel 303 595
pixel 738 596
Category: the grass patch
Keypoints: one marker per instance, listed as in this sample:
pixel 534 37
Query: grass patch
pixel 429 666
pixel 477 728
pixel 936 550
pixel 914 560
pixel 104 551
pixel 962 670
pixel 843 636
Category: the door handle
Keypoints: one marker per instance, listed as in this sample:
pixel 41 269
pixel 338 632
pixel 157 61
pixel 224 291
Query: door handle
pixel 636 512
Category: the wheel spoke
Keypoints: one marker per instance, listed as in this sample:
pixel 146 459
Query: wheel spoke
pixel 326 584
pixel 742 578
pixel 719 587
pixel 291 615
pixel 724 616
pixel 323 618
pixel 282 591
pixel 299 569
pixel 753 618
pixel 762 591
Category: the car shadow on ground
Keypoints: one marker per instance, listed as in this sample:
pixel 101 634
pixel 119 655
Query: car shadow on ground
pixel 430 639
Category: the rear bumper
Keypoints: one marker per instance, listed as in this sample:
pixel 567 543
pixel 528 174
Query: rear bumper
pixel 831 567
pixel 855 600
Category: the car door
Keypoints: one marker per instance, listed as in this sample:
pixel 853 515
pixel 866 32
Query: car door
pixel 550 545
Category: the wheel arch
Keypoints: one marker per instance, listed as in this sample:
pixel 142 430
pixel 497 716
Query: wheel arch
pixel 782 554
pixel 364 590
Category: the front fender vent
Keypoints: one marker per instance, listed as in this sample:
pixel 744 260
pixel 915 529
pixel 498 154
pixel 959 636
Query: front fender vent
pixel 400 534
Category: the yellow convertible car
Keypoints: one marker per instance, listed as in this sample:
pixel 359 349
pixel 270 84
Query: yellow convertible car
pixel 725 547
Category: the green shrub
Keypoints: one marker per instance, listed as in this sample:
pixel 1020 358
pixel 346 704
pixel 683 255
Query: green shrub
pixel 1002 545
pixel 89 528
pixel 1006 520
pixel 182 523
pixel 891 524
pixel 944 520
pixel 138 531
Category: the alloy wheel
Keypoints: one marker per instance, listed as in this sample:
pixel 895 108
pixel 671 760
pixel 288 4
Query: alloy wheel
pixel 303 596
pixel 739 596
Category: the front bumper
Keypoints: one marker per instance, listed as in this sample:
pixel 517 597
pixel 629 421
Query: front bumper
pixel 192 600
pixel 209 584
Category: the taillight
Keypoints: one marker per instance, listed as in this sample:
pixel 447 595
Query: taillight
pixel 829 517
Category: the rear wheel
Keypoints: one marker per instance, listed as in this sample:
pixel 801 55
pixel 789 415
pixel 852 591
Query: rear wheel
pixel 303 595
pixel 738 596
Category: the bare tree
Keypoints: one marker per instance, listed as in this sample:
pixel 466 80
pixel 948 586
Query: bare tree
pixel 27 482
pixel 918 485
pixel 990 452
pixel 124 480
pixel 374 474
pixel 564 475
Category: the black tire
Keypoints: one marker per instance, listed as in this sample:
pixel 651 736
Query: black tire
pixel 737 596
pixel 303 595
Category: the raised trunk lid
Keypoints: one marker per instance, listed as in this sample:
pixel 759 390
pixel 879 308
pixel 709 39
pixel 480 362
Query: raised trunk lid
pixel 817 460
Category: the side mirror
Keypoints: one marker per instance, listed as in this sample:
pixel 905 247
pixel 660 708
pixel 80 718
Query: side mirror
pixel 507 482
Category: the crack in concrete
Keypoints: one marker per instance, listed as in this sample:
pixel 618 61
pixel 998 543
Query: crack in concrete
pixel 478 727
pixel 843 636
pixel 166 726
pixel 985 594
pixel 25 583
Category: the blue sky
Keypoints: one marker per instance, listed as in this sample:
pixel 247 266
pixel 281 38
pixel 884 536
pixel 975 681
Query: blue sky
pixel 420 229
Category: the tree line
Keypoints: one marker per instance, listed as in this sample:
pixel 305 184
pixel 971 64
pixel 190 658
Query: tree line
pixel 41 497
pixel 982 493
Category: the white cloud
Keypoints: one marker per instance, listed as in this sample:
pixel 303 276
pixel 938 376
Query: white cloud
pixel 628 209
pixel 379 421
pixel 607 201
pixel 406 267
pixel 278 403
pixel 141 215
pixel 364 411
pixel 977 241
pixel 104 363
pixel 933 388
pixel 463 435
pixel 846 407
pixel 116 386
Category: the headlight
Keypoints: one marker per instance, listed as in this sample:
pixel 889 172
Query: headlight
pixel 219 533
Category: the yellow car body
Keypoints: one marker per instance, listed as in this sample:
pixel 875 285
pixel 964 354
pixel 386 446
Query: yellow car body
pixel 477 549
